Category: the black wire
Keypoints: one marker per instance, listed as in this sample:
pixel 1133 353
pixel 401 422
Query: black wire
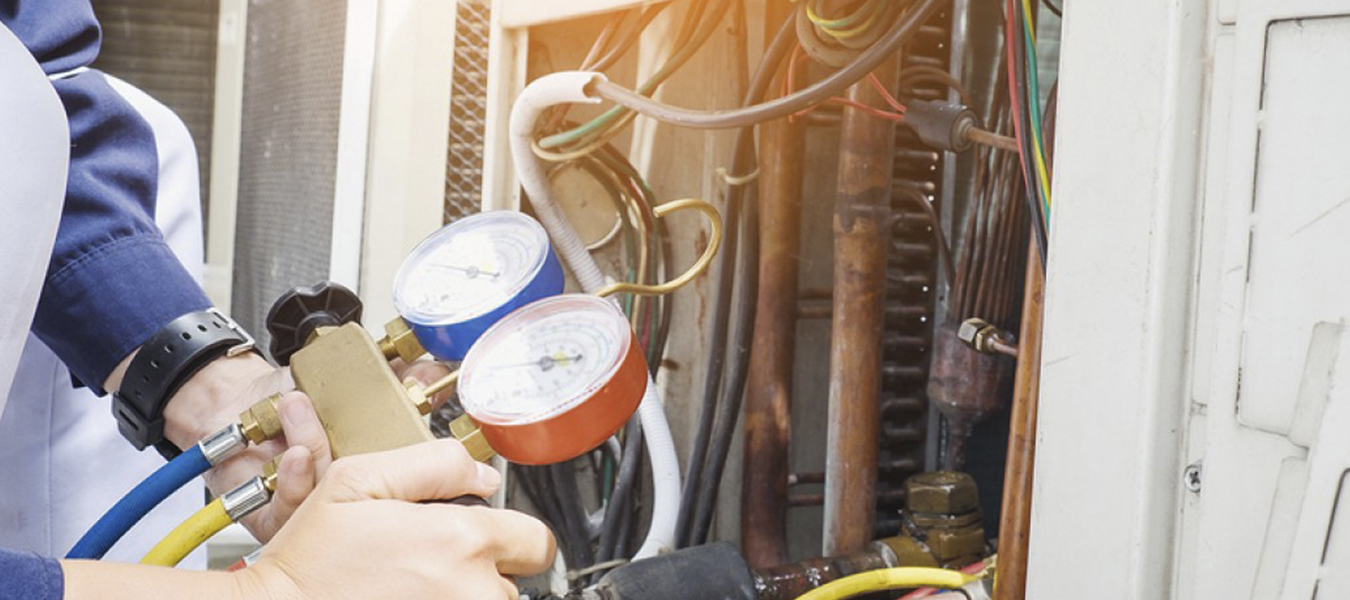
pixel 1059 12
pixel 703 479
pixel 742 158
pixel 1023 116
pixel 620 502
pixel 564 478
pixel 630 37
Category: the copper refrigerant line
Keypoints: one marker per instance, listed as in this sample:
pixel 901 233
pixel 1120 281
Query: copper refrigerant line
pixel 861 236
pixel 966 385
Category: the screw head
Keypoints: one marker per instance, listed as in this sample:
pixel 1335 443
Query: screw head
pixel 1191 477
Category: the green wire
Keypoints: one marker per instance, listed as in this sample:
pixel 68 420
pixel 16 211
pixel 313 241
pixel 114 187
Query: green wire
pixel 813 12
pixel 676 61
pixel 1034 106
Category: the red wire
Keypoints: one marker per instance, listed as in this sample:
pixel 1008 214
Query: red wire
pixel 1010 38
pixel 881 89
pixel 969 569
pixel 790 86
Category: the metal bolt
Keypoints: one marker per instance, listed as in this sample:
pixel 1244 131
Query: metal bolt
pixel 1192 477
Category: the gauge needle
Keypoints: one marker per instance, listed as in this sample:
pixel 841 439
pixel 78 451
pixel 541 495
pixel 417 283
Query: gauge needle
pixel 471 270
pixel 545 363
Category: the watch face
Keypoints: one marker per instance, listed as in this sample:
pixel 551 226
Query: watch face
pixel 470 267
pixel 544 359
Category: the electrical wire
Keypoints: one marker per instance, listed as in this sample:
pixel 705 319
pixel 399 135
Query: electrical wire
pixel 1016 97
pixel 685 49
pixel 888 579
pixel 908 25
pixel 148 494
pixel 974 568
pixel 724 391
pixel 191 533
pixel 1034 106
pixel 1059 11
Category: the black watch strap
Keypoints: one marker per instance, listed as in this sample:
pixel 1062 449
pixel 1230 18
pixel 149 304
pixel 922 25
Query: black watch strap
pixel 166 361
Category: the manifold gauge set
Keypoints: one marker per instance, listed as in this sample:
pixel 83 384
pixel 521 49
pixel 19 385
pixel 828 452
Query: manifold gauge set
pixel 546 376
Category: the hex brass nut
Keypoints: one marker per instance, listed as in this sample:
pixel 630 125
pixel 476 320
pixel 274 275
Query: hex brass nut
pixel 418 397
pixel 466 431
pixel 942 492
pixel 400 341
pixel 261 422
pixel 948 544
pixel 969 329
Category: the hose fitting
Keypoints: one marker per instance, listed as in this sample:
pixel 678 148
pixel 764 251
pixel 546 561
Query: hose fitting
pixel 221 445
pixel 248 497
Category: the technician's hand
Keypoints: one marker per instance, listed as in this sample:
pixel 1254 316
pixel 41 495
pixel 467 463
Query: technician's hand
pixel 214 397
pixel 361 535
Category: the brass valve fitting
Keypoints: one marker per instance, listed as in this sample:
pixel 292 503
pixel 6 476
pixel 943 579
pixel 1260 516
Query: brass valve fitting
pixel 261 422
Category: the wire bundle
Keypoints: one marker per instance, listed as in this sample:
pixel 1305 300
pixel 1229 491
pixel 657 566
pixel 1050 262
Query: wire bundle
pixel 1023 86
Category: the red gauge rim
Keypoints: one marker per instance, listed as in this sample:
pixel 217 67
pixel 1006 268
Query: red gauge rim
pixel 577 429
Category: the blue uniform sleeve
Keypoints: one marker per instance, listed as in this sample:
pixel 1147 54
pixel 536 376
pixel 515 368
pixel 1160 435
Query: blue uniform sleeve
pixel 112 281
pixel 25 576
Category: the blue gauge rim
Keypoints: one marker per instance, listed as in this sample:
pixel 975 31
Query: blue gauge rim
pixel 452 341
pixel 414 317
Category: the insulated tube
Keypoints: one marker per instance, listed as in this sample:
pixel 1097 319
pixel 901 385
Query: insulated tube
pixel 140 500
pixel 570 87
pixel 192 533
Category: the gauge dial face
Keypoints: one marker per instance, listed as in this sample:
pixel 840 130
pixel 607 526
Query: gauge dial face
pixel 470 267
pixel 544 359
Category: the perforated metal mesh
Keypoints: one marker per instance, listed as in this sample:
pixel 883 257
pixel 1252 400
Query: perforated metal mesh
pixel 168 49
pixel 288 153
pixel 468 111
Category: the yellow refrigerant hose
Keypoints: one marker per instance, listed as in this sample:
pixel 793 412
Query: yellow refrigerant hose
pixel 186 537
pixel 888 579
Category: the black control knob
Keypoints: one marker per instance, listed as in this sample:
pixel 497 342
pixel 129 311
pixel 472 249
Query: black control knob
pixel 298 312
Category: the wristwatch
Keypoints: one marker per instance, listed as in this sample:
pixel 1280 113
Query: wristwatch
pixel 164 363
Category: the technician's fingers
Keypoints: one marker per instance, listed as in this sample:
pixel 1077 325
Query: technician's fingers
pixel 295 480
pixel 301 427
pixel 427 372
pixel 510 591
pixel 518 543
pixel 439 470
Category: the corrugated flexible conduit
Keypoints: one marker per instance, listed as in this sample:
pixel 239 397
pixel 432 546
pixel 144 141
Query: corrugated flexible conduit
pixel 565 88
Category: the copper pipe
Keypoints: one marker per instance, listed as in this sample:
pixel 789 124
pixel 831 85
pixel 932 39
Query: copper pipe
pixel 768 392
pixel 861 234
pixel 1015 520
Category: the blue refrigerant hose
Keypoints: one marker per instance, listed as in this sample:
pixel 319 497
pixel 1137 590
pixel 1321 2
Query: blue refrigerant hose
pixel 139 501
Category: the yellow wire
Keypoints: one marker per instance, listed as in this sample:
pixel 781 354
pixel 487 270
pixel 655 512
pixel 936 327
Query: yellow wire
pixel 714 243
pixel 1026 10
pixel 888 579
pixel 186 537
pixel 1041 172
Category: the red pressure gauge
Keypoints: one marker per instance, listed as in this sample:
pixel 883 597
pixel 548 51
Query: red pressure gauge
pixel 554 379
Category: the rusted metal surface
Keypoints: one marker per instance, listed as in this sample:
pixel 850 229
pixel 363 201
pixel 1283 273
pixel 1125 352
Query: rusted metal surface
pixel 1015 519
pixel 966 386
pixel 861 234
pixel 912 271
pixel 768 393
pixel 787 582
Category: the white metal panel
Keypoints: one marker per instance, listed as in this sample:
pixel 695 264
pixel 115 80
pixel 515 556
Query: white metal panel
pixel 1109 463
pixel 219 271
pixel 1275 335
pixel 519 14
pixel 349 191
pixel 410 113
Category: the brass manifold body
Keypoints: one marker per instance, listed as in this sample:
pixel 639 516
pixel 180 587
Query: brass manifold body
pixel 359 400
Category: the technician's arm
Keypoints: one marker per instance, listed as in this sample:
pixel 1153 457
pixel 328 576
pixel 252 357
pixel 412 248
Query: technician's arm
pixel 360 536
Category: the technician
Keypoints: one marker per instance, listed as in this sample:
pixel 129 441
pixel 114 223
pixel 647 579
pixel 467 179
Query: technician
pixel 111 284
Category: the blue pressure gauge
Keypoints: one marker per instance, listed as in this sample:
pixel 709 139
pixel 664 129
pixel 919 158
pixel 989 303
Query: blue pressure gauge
pixel 470 273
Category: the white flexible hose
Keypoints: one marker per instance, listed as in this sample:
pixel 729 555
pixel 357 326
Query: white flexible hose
pixel 564 88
